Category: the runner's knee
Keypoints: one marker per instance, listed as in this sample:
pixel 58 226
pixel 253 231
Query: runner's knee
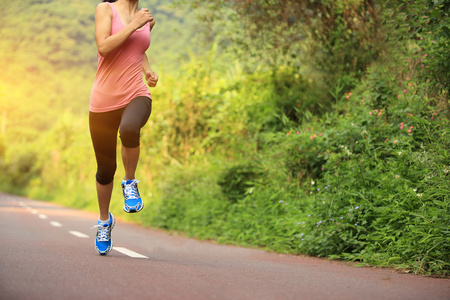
pixel 105 173
pixel 130 134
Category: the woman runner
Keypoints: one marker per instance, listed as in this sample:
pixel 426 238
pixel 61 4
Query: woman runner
pixel 120 101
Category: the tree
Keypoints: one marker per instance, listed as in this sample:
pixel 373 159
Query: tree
pixel 340 36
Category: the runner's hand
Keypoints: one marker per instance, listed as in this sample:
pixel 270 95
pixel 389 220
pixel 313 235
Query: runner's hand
pixel 152 78
pixel 142 18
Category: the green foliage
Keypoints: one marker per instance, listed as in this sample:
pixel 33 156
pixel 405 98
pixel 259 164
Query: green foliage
pixel 363 181
pixel 426 22
pixel 353 184
pixel 183 206
pixel 239 180
pixel 376 198
pixel 341 37
pixel 42 30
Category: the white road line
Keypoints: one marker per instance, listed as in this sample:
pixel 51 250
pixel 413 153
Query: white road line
pixel 41 216
pixel 33 211
pixel 55 224
pixel 22 204
pixel 129 252
pixel 79 234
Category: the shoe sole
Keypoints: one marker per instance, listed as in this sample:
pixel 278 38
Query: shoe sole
pixel 132 210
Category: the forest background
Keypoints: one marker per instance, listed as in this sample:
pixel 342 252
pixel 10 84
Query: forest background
pixel 305 127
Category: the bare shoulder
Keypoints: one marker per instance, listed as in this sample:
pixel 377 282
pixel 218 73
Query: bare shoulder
pixel 103 8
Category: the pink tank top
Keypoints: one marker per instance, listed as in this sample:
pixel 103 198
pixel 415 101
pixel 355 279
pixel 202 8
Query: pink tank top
pixel 119 76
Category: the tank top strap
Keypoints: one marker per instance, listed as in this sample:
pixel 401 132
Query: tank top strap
pixel 113 10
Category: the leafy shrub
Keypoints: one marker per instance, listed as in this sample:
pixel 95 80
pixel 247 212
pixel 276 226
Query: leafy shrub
pixel 425 22
pixel 239 180
pixel 356 183
pixel 20 166
pixel 380 199
pixel 191 201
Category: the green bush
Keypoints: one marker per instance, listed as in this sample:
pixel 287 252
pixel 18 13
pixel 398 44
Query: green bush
pixel 427 23
pixel 365 181
pixel 239 180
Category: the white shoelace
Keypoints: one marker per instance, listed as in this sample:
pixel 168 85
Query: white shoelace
pixel 131 190
pixel 102 232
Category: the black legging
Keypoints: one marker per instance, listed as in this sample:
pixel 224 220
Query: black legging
pixel 104 127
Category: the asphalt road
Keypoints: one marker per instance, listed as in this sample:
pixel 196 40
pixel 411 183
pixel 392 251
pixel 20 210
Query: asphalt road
pixel 47 252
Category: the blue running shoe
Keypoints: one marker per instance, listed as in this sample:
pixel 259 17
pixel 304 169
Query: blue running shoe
pixel 103 241
pixel 133 202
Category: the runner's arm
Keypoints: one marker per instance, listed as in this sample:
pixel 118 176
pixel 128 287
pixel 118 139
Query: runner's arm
pixel 106 43
pixel 150 76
